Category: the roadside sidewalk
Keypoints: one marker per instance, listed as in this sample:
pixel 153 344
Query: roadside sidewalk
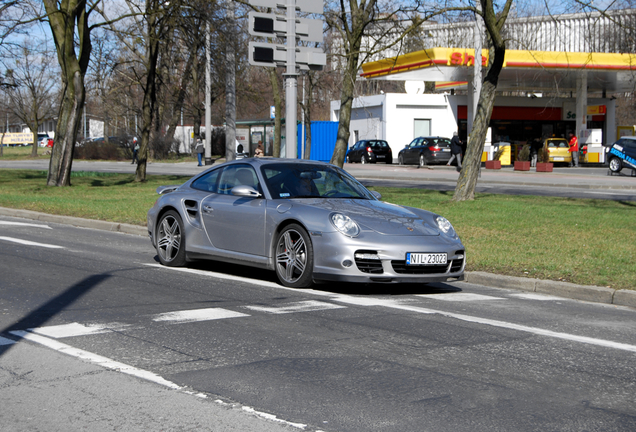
pixel 561 289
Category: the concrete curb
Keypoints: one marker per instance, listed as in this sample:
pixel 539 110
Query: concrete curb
pixel 79 222
pixel 560 289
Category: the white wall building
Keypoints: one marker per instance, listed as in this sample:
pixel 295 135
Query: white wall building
pixel 399 117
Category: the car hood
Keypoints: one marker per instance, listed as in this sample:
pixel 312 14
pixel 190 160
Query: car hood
pixel 383 218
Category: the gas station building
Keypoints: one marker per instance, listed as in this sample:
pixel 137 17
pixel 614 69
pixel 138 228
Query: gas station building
pixel 563 92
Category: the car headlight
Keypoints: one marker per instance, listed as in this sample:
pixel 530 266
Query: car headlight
pixel 345 224
pixel 445 226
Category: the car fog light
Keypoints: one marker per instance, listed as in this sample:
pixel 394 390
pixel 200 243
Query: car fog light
pixel 347 263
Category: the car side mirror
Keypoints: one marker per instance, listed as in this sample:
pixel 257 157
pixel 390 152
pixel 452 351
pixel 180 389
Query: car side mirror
pixel 376 194
pixel 245 191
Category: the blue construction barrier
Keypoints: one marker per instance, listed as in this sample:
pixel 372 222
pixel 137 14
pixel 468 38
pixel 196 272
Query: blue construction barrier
pixel 323 140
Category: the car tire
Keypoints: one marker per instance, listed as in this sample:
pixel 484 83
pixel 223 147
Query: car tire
pixel 171 240
pixel 422 161
pixel 294 257
pixel 615 165
pixel 400 160
pixel 348 159
pixel 389 161
pixel 363 160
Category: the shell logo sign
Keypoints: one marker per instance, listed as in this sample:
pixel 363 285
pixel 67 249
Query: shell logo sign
pixel 465 59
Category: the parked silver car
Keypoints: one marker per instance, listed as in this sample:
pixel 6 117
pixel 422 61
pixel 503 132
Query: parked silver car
pixel 308 221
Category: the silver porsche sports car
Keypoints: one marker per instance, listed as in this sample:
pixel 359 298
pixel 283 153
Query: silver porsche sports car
pixel 308 221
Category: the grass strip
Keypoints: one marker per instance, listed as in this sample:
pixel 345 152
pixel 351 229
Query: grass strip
pixel 583 241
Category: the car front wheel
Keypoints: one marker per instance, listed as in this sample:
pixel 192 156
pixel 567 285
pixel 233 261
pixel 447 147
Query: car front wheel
pixel 171 240
pixel 615 165
pixel 400 160
pixel 294 257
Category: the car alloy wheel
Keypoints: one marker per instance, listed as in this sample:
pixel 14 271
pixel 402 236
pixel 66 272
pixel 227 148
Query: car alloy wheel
pixel 400 160
pixel 171 240
pixel 294 257
pixel 422 161
pixel 615 165
pixel 363 160
pixel 348 159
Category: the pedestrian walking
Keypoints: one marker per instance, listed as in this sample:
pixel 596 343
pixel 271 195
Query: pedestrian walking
pixel 135 151
pixel 574 149
pixel 456 151
pixel 199 148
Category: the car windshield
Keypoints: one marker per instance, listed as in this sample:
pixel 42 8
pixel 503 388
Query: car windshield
pixel 291 180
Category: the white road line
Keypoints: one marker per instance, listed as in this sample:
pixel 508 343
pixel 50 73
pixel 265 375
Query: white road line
pixel 24 224
pixel 540 297
pixel 76 329
pixel 302 306
pixel 5 341
pixel 30 243
pixel 393 304
pixel 459 297
pixel 198 315
pixel 96 359
pixel 130 370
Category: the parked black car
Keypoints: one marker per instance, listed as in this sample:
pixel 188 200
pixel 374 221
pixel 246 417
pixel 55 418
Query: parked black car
pixel 426 150
pixel 370 151
pixel 621 154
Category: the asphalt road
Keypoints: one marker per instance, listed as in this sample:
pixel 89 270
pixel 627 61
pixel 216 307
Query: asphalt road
pixel 443 357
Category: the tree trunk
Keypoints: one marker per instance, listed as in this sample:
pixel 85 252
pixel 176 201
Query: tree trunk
pixel 149 98
pixel 185 77
pixel 344 119
pixel 467 181
pixel 73 48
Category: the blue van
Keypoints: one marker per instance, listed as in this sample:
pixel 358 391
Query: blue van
pixel 621 154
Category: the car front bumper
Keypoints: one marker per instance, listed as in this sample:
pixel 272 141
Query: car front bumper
pixel 335 258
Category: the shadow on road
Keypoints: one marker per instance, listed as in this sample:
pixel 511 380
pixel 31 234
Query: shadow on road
pixel 390 289
pixel 48 310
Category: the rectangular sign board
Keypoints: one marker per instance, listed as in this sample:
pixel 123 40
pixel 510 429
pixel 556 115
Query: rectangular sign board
pixel 17 138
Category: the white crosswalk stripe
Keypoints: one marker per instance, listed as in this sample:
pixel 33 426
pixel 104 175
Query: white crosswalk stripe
pixel 303 306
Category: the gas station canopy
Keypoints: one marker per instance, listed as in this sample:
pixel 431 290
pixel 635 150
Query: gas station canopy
pixel 522 70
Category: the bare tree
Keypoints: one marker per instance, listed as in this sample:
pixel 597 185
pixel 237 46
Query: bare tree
pixel 381 23
pixel 31 94
pixel 493 21
pixel 69 21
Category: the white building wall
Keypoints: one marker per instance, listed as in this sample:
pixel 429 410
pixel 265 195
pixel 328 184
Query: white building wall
pixel 392 117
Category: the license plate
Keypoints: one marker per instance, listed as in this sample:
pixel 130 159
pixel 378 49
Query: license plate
pixel 380 156
pixel 426 258
pixel 558 159
pixel 446 150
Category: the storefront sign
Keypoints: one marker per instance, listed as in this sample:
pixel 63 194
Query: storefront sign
pixel 465 59
pixel 596 109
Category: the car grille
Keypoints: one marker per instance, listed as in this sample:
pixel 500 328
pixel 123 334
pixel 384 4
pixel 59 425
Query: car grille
pixel 372 266
pixel 400 267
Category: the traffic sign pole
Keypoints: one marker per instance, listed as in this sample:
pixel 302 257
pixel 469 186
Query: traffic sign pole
pixel 291 84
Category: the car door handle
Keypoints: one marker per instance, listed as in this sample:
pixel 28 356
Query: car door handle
pixel 207 209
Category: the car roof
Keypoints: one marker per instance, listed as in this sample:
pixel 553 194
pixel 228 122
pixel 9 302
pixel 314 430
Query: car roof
pixel 628 137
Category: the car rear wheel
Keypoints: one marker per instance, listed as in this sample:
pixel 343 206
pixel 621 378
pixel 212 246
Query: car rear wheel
pixel 294 257
pixel 171 240
pixel 363 160
pixel 422 161
pixel 348 159
pixel 615 165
